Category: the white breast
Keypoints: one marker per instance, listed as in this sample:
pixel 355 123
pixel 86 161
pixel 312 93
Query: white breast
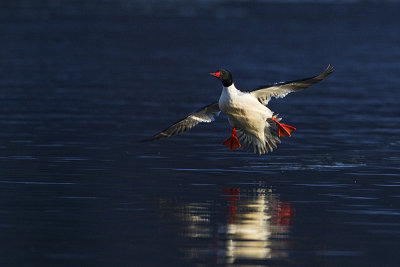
pixel 244 110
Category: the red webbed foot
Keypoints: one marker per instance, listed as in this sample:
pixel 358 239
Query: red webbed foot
pixel 232 142
pixel 283 129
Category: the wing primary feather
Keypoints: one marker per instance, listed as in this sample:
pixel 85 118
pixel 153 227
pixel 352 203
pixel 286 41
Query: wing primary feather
pixel 329 69
pixel 204 114
pixel 278 90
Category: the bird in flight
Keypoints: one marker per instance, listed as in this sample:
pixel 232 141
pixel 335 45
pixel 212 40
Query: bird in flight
pixel 254 126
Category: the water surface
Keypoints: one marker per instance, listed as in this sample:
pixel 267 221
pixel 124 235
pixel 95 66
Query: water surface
pixel 81 84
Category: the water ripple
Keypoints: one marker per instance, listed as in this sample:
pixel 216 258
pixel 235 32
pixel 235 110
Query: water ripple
pixel 36 182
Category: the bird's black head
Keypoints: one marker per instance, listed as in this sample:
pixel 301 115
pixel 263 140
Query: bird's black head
pixel 225 77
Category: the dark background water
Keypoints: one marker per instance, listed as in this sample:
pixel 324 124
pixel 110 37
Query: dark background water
pixel 81 83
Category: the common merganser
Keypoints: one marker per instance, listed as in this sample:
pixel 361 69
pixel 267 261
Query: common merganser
pixel 254 125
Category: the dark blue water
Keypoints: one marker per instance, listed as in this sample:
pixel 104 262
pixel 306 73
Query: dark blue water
pixel 81 83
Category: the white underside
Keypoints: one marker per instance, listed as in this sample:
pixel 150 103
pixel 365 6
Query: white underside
pixel 245 111
pixel 255 131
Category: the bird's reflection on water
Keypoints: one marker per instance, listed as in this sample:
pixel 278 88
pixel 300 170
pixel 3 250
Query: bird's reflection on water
pixel 245 225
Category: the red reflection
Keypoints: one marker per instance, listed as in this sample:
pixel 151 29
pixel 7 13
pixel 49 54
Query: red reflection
pixel 233 195
pixel 283 213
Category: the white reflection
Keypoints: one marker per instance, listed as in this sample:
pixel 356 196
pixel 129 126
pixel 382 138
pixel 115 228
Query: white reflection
pixel 256 226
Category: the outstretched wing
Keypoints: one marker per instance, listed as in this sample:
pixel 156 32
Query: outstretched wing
pixel 279 90
pixel 205 114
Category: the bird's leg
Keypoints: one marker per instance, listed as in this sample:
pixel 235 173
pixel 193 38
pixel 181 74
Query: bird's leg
pixel 232 142
pixel 283 129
